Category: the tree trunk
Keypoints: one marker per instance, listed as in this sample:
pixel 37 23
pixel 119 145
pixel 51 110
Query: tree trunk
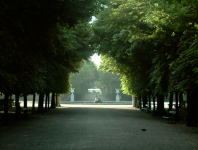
pixel 135 103
pixel 56 100
pixel 46 102
pixel 154 105
pixel 149 102
pixel 191 120
pixel 144 101
pixel 160 105
pixel 40 106
pixel 33 103
pixel 25 105
pixel 10 100
pixel 53 101
pixel 170 102
pixel 176 106
pixel 18 108
pixel 6 109
pixel 180 99
pixel 48 95
pixel 140 102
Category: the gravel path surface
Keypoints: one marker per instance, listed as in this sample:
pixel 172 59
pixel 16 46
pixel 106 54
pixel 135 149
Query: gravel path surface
pixel 116 127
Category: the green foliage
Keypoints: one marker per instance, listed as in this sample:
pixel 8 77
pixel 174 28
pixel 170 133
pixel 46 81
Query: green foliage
pixel 125 48
pixel 41 43
pixel 85 78
pixel 108 82
pixel 90 78
pixel 151 44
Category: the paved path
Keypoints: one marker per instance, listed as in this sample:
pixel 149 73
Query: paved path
pixel 97 127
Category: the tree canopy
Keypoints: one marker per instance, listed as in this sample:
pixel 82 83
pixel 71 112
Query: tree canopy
pixel 152 39
pixel 152 45
pixel 41 43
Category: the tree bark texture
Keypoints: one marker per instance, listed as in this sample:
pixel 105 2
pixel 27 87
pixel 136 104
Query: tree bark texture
pixel 136 102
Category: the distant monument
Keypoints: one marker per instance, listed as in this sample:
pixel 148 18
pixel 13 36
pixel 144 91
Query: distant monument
pixel 117 95
pixel 72 95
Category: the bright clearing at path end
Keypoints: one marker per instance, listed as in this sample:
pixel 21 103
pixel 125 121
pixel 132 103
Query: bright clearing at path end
pixel 96 59
pixel 63 106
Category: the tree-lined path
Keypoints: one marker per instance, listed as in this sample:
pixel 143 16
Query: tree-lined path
pixel 97 127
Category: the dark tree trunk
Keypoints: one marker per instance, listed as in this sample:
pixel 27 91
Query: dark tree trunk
pixel 176 106
pixel 46 102
pixel 170 101
pixel 144 101
pixel 149 102
pixel 10 100
pixel 6 109
pixel 135 103
pixel 140 102
pixel 192 109
pixel 25 105
pixel 160 105
pixel 53 101
pixel 153 105
pixel 18 108
pixel 40 105
pixel 56 100
pixel 180 99
pixel 33 103
pixel 48 97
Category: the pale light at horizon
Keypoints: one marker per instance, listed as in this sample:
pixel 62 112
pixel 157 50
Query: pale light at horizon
pixel 96 59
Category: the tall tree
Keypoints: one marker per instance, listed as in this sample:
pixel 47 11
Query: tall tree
pixel 42 43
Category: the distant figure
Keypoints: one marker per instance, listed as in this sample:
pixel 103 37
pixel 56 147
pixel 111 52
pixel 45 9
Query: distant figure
pixel 97 99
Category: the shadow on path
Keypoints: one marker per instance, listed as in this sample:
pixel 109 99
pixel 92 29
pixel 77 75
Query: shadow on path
pixel 97 127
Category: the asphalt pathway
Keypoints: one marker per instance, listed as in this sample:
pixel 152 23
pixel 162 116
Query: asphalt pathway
pixel 97 127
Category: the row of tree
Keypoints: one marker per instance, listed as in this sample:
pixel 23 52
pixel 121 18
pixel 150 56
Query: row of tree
pixel 153 46
pixel 41 43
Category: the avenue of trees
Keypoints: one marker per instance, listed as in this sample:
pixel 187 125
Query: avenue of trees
pixel 153 46
pixel 89 77
pixel 41 43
